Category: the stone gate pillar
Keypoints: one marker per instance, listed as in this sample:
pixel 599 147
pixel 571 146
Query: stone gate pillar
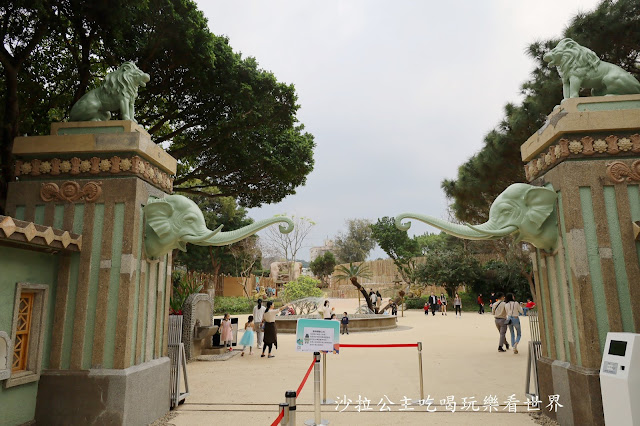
pixel 108 352
pixel 589 152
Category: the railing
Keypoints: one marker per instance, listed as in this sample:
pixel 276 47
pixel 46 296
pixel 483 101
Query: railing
pixel 178 361
pixel 535 352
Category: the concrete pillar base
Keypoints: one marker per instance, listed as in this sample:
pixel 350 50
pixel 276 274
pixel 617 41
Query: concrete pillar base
pixel 133 396
pixel 579 390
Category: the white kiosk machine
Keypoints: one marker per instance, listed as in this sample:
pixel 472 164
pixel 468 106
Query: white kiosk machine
pixel 620 379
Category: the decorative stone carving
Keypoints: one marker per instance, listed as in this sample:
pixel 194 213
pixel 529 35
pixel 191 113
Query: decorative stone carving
pixel 175 220
pixel 97 166
pixel 19 230
pixel 197 308
pixel 619 172
pixel 524 210
pixel 118 93
pixel 619 145
pixel 579 67
pixel 70 191
pixel 6 351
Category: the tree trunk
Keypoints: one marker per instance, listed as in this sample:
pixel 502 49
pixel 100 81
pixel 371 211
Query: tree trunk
pixel 357 285
pixel 397 300
pixel 9 132
pixel 216 268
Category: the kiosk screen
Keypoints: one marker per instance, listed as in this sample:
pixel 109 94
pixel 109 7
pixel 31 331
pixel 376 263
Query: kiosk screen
pixel 617 347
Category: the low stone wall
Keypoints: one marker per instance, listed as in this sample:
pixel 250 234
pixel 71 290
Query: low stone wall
pixel 357 322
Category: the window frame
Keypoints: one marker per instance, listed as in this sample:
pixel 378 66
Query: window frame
pixel 37 329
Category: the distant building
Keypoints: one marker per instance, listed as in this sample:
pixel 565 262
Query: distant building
pixel 319 251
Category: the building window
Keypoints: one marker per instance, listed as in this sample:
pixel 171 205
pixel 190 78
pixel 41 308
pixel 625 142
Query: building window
pixel 29 323
pixel 23 327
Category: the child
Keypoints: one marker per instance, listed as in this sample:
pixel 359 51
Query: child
pixel 344 324
pixel 226 335
pixel 247 337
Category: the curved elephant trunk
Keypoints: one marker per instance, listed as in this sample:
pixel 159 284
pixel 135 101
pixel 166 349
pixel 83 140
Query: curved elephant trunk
pixel 226 238
pixel 480 232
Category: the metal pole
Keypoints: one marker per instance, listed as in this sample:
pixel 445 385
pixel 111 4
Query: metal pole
pixel 420 367
pixel 324 378
pixel 403 307
pixel 284 407
pixel 291 400
pixel 316 393
pixel 324 381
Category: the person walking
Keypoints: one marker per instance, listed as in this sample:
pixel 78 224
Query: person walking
pixel 344 324
pixel 394 308
pixel 480 304
pixel 457 305
pixel 433 301
pixel 378 299
pixel 426 308
pixel 443 304
pixel 258 312
pixel 374 298
pixel 500 314
pixel 247 337
pixel 270 330
pixel 326 313
pixel 514 310
pixel 492 299
pixel 226 335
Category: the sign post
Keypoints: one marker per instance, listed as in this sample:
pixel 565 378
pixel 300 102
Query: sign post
pixel 314 335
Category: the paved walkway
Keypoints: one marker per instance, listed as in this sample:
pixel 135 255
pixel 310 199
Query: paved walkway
pixel 460 359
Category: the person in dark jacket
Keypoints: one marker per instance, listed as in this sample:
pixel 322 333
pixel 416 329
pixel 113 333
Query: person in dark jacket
pixel 433 302
pixel 480 304
pixel 344 324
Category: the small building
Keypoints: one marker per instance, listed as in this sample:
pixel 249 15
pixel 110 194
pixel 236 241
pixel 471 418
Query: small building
pixel 316 252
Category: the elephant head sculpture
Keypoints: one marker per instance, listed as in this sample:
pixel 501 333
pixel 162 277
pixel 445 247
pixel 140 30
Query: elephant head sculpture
pixel 526 210
pixel 175 220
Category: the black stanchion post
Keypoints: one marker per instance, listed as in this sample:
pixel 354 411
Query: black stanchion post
pixel 284 407
pixel 291 400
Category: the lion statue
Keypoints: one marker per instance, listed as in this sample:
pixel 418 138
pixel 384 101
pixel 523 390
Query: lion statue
pixel 118 92
pixel 579 67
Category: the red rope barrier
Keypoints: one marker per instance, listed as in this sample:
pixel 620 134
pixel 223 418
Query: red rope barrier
pixel 280 417
pixel 393 345
pixel 306 376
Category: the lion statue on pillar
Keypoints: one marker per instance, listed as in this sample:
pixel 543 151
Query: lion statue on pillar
pixel 580 67
pixel 118 93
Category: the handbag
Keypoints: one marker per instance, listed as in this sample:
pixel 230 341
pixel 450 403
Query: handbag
pixel 508 321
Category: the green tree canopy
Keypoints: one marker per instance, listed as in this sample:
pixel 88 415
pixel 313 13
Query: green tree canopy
pixel 231 125
pixel 612 31
pixel 398 246
pixel 323 266
pixel 355 244
pixel 449 268
pixel 302 287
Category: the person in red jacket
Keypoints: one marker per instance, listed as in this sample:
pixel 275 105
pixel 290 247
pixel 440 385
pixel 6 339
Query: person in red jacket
pixel 528 306
pixel 426 308
pixel 480 304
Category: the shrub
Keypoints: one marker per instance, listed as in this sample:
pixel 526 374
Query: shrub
pixel 415 302
pixel 184 285
pixel 302 287
pixel 232 305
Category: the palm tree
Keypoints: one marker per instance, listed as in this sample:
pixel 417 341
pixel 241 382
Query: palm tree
pixel 352 273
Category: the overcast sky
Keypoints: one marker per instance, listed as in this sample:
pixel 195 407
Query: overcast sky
pixel 398 94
